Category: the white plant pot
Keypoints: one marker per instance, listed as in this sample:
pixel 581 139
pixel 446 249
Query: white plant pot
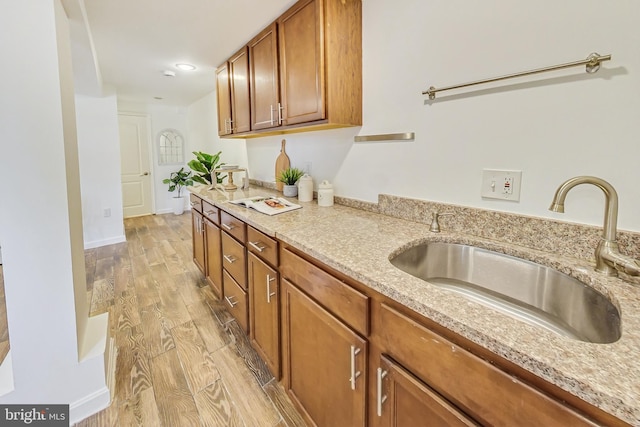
pixel 178 205
pixel 290 190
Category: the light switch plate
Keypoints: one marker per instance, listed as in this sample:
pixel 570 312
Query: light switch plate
pixel 501 184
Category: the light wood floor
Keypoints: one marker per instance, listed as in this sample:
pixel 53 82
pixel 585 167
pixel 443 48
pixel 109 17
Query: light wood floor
pixel 182 360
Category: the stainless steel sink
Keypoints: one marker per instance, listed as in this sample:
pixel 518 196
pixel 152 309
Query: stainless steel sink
pixel 528 291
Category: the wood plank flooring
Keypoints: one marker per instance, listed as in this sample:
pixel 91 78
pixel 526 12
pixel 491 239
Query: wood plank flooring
pixel 182 360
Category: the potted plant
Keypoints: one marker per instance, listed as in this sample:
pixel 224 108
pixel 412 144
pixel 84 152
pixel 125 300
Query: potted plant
pixel 176 181
pixel 204 164
pixel 289 177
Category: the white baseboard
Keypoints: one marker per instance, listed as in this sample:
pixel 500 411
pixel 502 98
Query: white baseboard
pixel 105 242
pixel 102 398
pixel 89 405
pixel 6 375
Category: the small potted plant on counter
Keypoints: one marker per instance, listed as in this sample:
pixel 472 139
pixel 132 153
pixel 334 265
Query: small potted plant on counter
pixel 176 181
pixel 204 164
pixel 289 177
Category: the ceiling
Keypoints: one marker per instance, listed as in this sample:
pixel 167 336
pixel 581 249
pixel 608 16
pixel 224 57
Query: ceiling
pixel 128 44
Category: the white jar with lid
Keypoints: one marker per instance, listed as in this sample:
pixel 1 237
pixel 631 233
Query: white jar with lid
pixel 305 188
pixel 325 194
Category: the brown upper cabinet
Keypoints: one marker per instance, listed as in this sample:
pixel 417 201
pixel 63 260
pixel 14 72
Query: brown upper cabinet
pixel 223 91
pixel 265 90
pixel 232 85
pixel 239 79
pixel 305 71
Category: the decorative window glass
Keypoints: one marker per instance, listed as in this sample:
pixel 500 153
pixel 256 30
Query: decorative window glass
pixel 171 147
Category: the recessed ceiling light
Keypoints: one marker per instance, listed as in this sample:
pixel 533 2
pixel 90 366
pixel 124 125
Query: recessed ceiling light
pixel 186 67
pixel 169 73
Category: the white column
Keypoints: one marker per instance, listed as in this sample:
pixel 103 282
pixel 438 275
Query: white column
pixel 41 217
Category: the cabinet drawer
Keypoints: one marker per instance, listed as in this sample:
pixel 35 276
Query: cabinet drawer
pixel 211 212
pixel 262 245
pixel 234 259
pixel 348 304
pixel 196 202
pixel 490 395
pixel 236 301
pixel 233 226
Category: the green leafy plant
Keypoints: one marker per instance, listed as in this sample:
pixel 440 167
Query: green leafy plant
pixel 204 164
pixel 178 179
pixel 290 176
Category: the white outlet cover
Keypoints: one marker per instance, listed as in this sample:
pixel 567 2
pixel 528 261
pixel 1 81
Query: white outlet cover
pixel 493 184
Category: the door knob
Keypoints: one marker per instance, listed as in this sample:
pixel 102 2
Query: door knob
pixel 144 174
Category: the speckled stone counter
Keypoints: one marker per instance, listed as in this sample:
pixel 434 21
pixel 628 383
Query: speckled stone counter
pixel 360 242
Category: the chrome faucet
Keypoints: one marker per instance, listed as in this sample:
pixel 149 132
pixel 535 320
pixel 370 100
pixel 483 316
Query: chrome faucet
pixel 435 225
pixel 609 260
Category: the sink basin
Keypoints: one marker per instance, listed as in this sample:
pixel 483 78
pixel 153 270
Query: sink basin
pixel 530 292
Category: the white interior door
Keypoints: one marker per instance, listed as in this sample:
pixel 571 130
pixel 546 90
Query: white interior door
pixel 135 165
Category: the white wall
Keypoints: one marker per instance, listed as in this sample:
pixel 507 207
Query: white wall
pixel 203 133
pixel 568 123
pixel 41 226
pixel 99 149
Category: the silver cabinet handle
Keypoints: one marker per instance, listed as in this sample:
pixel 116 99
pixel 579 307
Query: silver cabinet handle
pixel 354 374
pixel 228 227
pixel 230 258
pixel 230 302
pixel 380 399
pixel 269 293
pixel 194 203
pixel 210 212
pixel 280 107
pixel 271 112
pixel 258 246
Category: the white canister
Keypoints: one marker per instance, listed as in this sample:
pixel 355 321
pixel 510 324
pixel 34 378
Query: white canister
pixel 325 194
pixel 305 188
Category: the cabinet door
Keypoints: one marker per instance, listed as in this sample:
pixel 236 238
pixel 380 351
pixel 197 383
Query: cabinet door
pixel 239 78
pixel 223 90
pixel 302 63
pixel 403 401
pixel 265 90
pixel 325 362
pixel 264 312
pixel 197 233
pixel 214 257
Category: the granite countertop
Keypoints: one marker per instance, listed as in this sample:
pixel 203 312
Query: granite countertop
pixel 359 243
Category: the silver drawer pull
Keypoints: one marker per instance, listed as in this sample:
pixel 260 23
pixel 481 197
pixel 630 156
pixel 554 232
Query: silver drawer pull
pixel 228 227
pixel 230 258
pixel 194 203
pixel 230 302
pixel 209 212
pixel 354 374
pixel 258 246
pixel 380 399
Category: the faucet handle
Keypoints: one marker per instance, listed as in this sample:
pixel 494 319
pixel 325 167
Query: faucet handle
pixel 435 225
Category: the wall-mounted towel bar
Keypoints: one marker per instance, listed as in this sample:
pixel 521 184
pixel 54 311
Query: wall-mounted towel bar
pixel 592 65
pixel 407 136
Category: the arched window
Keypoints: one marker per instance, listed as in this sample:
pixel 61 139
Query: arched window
pixel 170 147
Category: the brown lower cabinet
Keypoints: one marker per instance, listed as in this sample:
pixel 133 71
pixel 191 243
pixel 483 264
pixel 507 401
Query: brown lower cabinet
pixel 214 258
pixel 350 356
pixel 236 300
pixel 197 232
pixel 264 312
pixel 402 400
pixel 325 362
